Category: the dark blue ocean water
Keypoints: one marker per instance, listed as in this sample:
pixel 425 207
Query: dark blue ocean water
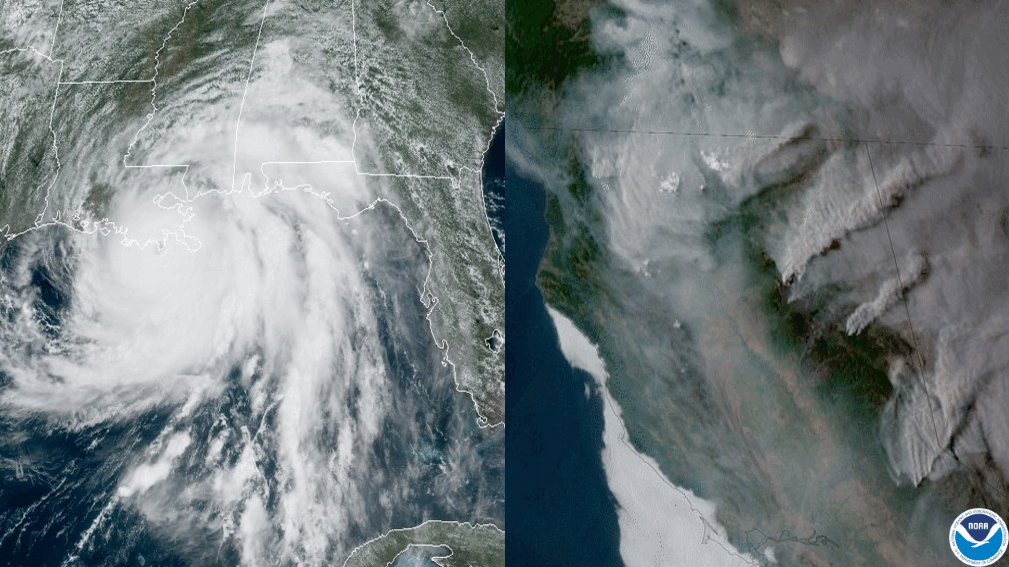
pixel 494 186
pixel 560 508
pixel 55 481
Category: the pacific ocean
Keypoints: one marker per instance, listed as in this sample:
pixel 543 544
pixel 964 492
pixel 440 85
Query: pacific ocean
pixel 556 482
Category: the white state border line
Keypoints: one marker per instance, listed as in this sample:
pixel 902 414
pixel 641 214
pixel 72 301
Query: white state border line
pixel 436 559
pixel 154 98
pixel 5 229
pixel 428 299
pixel 106 226
pixel 711 533
pixel 105 82
pixel 56 29
pixel 472 57
pixel 472 526
pixel 357 85
pixel 245 92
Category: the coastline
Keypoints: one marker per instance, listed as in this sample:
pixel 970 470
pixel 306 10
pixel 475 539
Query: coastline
pixel 657 518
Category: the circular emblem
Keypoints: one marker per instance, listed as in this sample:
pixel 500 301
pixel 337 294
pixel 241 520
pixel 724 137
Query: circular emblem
pixel 978 537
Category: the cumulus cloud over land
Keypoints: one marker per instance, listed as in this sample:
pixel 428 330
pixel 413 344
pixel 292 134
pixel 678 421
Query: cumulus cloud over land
pixel 243 297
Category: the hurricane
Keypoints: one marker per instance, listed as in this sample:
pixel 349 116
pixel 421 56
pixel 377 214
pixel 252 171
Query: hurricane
pixel 220 340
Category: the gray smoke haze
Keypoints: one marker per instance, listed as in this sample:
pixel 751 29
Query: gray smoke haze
pixel 777 138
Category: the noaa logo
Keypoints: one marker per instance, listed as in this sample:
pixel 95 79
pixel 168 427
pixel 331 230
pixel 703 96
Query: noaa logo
pixel 978 537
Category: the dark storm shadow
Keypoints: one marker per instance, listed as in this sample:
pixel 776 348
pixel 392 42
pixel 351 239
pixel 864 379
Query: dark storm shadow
pixel 561 509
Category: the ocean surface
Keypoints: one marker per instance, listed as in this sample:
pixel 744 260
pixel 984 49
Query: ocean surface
pixel 65 492
pixel 494 186
pixel 556 481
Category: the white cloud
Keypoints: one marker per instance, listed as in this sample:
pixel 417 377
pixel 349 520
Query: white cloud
pixel 661 524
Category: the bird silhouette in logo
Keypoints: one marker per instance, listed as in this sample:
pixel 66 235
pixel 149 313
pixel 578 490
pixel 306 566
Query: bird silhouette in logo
pixel 966 535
